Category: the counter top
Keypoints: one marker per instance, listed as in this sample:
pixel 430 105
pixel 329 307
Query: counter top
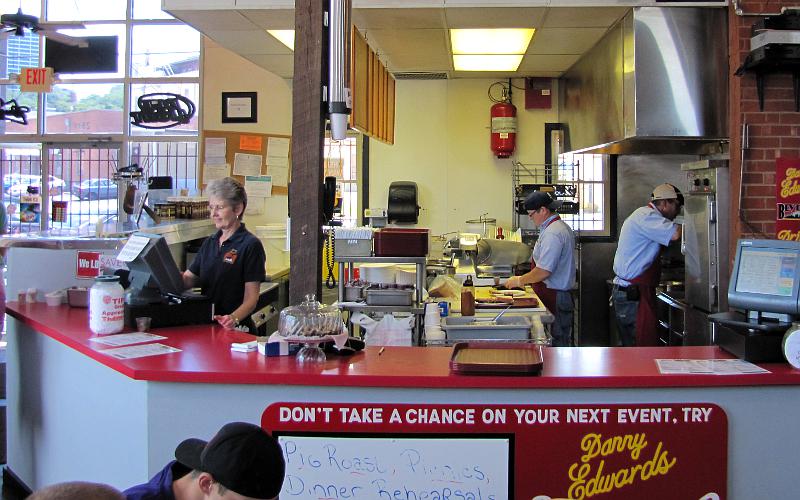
pixel 206 358
pixel 111 235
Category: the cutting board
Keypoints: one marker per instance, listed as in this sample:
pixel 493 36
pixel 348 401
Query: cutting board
pixel 527 301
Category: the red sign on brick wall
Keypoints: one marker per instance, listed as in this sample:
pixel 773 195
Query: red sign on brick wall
pixel 787 199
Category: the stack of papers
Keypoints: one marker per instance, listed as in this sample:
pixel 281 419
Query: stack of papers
pixel 707 366
pixel 244 346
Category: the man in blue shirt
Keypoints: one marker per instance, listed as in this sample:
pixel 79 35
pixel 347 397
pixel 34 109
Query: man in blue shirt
pixel 644 234
pixel 552 273
pixel 241 462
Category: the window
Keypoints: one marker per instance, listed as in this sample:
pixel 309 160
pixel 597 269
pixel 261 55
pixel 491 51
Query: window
pixel 590 174
pixel 341 161
pixel 93 108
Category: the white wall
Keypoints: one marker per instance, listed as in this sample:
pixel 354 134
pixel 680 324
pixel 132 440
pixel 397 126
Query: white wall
pixel 224 71
pixel 442 133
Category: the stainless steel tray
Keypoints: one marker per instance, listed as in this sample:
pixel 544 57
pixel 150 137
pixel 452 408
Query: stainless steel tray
pixel 470 328
pixel 389 296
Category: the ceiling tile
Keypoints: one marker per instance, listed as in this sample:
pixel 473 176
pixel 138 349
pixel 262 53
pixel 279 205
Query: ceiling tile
pixel 538 62
pixel 249 42
pixel 495 17
pixel 392 18
pixel 395 41
pixel 222 20
pixel 583 17
pixel 564 40
pixel 274 19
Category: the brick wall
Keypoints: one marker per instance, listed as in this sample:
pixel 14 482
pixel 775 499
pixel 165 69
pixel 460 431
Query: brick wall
pixel 774 132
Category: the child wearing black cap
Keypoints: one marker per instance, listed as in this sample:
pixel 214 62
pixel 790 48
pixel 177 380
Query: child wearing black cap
pixel 241 462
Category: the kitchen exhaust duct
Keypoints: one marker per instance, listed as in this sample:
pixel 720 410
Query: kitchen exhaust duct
pixel 656 83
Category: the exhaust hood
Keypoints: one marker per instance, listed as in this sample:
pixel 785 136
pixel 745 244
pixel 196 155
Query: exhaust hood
pixel 656 83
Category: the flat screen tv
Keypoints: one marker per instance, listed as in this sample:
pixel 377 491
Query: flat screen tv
pixel 100 56
pixel 766 276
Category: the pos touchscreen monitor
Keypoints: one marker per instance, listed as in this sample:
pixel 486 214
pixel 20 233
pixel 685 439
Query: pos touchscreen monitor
pixel 766 277
pixel 153 272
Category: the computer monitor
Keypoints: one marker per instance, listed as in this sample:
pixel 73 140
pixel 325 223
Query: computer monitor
pixel 766 277
pixel 154 268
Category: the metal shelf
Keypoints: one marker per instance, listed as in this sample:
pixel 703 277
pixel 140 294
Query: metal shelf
pixel 382 260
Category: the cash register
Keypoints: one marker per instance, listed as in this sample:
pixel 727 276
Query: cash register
pixel 156 287
pixel 764 296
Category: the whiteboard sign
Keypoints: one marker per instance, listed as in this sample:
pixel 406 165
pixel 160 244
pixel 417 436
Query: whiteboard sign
pixel 377 466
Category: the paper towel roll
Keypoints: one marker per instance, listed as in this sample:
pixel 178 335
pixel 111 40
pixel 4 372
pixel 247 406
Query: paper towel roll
pixel 791 345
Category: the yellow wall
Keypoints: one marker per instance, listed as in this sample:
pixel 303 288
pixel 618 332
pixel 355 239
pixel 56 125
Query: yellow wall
pixel 442 135
pixel 441 140
pixel 225 71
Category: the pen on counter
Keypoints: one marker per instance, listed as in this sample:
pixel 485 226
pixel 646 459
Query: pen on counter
pixel 381 351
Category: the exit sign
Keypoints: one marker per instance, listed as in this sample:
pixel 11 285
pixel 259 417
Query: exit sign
pixel 36 79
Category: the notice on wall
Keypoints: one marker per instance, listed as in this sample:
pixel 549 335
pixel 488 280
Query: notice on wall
pixel 501 451
pixel 787 199
pixel 247 164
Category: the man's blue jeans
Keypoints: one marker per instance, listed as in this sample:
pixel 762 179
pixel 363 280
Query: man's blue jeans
pixel 625 313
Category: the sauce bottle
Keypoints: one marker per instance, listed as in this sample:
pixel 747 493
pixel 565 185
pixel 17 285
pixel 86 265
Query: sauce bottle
pixel 468 298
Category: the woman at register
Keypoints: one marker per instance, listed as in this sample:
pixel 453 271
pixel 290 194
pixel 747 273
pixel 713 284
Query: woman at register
pixel 231 263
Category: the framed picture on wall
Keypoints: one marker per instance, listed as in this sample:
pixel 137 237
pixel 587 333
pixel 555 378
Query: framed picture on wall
pixel 239 107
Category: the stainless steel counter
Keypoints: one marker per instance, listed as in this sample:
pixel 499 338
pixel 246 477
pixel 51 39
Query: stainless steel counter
pixel 109 236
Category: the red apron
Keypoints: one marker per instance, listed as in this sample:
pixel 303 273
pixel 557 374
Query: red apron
pixel 646 320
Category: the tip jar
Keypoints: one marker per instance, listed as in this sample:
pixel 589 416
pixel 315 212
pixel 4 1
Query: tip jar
pixel 106 306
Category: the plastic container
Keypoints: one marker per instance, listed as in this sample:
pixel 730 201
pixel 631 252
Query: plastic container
pixel 396 242
pixel 78 297
pixel 54 299
pixel 504 328
pixel 106 306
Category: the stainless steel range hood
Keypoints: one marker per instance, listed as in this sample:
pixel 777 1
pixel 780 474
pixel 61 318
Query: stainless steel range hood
pixel 655 84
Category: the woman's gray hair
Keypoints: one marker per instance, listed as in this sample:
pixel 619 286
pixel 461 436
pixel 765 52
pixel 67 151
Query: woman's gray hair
pixel 230 190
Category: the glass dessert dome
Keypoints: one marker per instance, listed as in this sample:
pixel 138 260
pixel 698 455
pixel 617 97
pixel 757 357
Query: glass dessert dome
pixel 310 323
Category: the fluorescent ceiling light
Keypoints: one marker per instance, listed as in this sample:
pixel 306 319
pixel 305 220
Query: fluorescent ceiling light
pixel 490 41
pixel 286 37
pixel 484 62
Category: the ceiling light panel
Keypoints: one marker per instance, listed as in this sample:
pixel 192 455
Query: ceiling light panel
pixel 486 62
pixel 490 41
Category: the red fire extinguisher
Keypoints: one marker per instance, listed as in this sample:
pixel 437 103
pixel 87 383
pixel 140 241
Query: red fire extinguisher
pixel 504 128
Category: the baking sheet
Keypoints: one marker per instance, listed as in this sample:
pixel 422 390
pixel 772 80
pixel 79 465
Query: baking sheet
pixel 496 358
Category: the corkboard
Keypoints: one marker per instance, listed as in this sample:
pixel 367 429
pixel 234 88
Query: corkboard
pixel 233 144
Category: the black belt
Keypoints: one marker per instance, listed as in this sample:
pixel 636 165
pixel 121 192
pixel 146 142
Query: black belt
pixel 624 288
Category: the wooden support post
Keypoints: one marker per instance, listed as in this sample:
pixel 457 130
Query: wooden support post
pixel 308 135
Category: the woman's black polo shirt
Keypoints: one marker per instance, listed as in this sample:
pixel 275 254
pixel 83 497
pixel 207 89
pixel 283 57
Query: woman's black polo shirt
pixel 223 270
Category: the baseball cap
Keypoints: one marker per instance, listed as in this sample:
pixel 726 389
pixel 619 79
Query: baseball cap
pixel 666 192
pixel 539 199
pixel 242 457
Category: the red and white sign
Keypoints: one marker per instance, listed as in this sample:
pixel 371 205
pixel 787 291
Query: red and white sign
pixel 88 265
pixel 36 79
pixel 485 452
pixel 787 199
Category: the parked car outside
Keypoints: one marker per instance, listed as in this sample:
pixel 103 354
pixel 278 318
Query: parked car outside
pixel 16 184
pixel 95 189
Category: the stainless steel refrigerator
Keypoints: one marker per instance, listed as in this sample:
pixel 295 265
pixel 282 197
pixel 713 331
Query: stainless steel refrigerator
pixel 705 246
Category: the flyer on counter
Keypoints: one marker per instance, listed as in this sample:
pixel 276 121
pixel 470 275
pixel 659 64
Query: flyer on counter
pixel 139 351
pixel 126 338
pixel 707 367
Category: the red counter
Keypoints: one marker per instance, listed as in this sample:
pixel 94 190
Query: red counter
pixel 77 414
pixel 206 358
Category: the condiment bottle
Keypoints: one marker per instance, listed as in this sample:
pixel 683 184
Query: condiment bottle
pixel 500 235
pixel 468 284
pixel 106 306
pixel 468 298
